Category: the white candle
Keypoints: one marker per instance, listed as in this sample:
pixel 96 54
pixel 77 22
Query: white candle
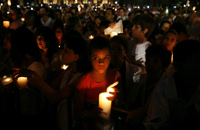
pixel 6 80
pixel 106 104
pixel 6 24
pixel 22 82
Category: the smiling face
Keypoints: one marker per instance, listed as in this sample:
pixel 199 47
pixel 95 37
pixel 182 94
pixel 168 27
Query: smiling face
pixel 100 60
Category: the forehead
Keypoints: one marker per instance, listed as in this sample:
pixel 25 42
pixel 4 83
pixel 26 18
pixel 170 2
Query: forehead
pixel 171 35
pixel 100 52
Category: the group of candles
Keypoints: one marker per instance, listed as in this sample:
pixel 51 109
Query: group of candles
pixel 21 81
pixel 104 103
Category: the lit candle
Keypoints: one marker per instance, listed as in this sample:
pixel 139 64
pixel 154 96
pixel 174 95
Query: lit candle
pixel 64 67
pixel 91 37
pixel 6 80
pixel 172 58
pixel 6 24
pixel 113 34
pixel 23 19
pixel 22 82
pixel 104 103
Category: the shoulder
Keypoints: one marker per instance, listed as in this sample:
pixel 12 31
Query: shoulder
pixel 84 81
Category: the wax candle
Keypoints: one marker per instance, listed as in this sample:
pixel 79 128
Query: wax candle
pixel 172 58
pixel 22 82
pixel 6 24
pixel 64 67
pixel 106 104
pixel 6 80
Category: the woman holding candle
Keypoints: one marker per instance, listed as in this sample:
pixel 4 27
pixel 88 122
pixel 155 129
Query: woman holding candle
pixel 75 55
pixel 93 83
pixel 46 41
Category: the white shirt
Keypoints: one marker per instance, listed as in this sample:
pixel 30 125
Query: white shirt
pixel 140 51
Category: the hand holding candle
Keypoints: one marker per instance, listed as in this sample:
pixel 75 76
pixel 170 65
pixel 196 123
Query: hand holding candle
pixel 104 103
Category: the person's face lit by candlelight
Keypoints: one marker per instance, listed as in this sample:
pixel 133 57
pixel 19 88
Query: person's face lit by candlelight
pixel 41 42
pixel 59 33
pixel 100 60
pixel 169 41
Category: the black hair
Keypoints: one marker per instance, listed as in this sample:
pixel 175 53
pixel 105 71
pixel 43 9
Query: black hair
pixel 23 42
pixel 162 53
pixel 121 40
pixel 50 40
pixel 99 43
pixel 164 21
pixel 145 21
pixel 185 50
pixel 179 27
pixel 79 45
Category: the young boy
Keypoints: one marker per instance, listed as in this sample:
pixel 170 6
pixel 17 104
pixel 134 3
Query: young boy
pixel 143 26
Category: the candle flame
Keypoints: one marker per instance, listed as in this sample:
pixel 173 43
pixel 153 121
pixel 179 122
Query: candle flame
pixel 64 67
pixel 91 37
pixel 111 87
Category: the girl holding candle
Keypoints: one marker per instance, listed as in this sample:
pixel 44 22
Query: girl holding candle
pixel 93 83
pixel 75 55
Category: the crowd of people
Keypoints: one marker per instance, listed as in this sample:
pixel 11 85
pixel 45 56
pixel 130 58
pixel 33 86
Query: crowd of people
pixel 155 59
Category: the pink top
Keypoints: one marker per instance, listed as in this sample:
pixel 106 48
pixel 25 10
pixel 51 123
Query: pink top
pixel 92 89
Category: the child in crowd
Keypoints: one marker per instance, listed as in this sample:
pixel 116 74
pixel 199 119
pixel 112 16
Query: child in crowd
pixel 93 83
pixel 143 26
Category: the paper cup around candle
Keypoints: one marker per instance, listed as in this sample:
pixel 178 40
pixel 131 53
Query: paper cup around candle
pixel 105 104
pixel 22 82
pixel 6 80
pixel 6 24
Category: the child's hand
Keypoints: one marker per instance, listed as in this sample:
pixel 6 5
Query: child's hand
pixel 114 94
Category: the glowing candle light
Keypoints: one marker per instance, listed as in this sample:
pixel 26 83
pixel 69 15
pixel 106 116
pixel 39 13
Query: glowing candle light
pixel 6 80
pixel 6 24
pixel 91 37
pixel 113 34
pixel 9 2
pixel 64 67
pixel 23 19
pixel 172 58
pixel 104 103
pixel 22 82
